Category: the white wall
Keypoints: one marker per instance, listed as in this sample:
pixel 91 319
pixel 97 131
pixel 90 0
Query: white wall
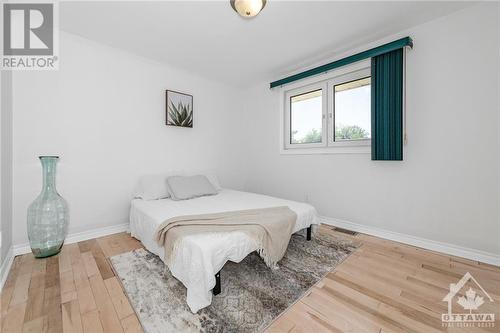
pixel 447 188
pixel 103 112
pixel 6 164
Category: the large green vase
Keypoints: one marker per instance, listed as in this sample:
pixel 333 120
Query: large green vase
pixel 48 215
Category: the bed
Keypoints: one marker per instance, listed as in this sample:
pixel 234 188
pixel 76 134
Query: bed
pixel 199 258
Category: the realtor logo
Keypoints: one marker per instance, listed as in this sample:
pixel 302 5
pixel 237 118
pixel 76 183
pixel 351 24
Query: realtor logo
pixel 469 294
pixel 29 36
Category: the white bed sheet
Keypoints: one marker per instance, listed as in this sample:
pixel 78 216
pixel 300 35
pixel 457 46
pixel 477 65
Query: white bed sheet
pixel 199 257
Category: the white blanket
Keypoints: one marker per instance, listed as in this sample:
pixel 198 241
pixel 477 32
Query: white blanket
pixel 200 257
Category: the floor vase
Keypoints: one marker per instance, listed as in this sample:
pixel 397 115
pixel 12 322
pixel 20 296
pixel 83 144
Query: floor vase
pixel 48 215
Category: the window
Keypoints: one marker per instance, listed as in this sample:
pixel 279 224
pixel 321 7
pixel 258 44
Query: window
pixel 352 108
pixel 335 112
pixel 306 116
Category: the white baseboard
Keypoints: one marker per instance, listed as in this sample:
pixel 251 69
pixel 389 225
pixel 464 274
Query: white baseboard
pixel 5 268
pixel 78 237
pixel 447 248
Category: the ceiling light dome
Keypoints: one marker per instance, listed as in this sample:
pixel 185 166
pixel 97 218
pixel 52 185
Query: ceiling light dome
pixel 248 8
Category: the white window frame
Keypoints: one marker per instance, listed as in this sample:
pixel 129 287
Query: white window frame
pixel 326 82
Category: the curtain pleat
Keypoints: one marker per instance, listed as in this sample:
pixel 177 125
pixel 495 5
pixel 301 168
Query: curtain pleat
pixel 387 106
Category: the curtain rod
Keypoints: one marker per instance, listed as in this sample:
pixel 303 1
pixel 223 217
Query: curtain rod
pixel 397 44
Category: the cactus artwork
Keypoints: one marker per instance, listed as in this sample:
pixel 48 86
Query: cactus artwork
pixel 179 109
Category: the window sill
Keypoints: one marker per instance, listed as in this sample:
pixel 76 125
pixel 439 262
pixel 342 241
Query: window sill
pixel 362 149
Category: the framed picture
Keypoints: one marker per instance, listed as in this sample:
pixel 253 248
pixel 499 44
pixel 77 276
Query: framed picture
pixel 179 109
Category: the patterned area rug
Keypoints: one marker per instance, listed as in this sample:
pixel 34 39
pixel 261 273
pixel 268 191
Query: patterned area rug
pixel 252 295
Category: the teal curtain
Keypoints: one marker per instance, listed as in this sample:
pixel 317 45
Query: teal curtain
pixel 387 106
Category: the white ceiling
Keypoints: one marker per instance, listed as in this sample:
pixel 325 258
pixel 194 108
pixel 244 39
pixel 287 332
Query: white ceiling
pixel 210 39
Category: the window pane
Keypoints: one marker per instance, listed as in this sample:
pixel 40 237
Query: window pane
pixel 353 110
pixel 306 117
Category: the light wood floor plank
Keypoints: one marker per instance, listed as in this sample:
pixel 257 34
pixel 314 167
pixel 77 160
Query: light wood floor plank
pixel 91 322
pixel 74 253
pixel 369 312
pixel 38 325
pixel 131 324
pixel 14 320
pixel 337 314
pixel 52 272
pixel 113 244
pixel 52 299
pixel 21 289
pixel 64 260
pixel 120 301
pixel 302 319
pixel 102 264
pixel 83 290
pixel 5 298
pixel 11 277
pixel 376 290
pixel 36 297
pixel 72 321
pixel 107 313
pixel 27 263
pixel 67 283
pixel 90 264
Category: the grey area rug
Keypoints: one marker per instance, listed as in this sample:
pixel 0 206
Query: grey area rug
pixel 252 294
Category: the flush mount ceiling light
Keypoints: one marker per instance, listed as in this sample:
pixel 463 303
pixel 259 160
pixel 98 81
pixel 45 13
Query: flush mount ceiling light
pixel 248 8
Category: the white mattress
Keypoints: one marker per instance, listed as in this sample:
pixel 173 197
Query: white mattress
pixel 199 257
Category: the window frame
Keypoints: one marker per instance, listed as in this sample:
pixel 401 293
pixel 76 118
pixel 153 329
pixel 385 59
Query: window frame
pixel 325 82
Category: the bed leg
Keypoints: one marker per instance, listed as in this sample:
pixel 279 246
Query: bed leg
pixel 217 288
pixel 309 230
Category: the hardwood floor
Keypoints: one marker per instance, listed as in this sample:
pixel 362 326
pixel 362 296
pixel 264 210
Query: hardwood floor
pixel 75 291
pixel 388 287
pixel 383 287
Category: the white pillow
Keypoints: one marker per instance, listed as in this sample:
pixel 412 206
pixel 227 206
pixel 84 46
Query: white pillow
pixel 182 188
pixel 212 178
pixel 151 187
pixel 210 174
pixel 154 187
